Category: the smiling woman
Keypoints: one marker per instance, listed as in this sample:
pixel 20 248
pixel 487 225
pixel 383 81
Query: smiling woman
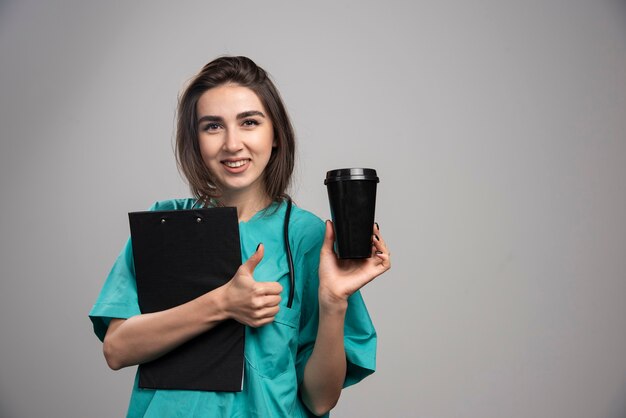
pixel 236 147
pixel 236 141
pixel 198 115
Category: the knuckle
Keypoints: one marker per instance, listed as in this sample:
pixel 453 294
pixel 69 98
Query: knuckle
pixel 259 315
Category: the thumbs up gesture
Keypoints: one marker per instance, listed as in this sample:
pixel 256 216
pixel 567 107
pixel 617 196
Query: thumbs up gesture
pixel 250 302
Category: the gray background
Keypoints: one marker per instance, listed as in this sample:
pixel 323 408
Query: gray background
pixel 498 129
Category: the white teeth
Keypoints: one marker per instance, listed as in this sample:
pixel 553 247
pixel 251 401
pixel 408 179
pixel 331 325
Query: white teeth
pixel 235 164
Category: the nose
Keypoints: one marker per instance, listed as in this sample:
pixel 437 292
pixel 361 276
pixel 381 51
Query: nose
pixel 232 142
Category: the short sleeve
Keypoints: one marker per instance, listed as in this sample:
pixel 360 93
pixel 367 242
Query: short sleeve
pixel 359 340
pixel 359 333
pixel 118 297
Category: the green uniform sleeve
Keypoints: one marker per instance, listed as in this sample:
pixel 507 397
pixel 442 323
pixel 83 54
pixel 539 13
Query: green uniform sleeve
pixel 359 332
pixel 118 297
pixel 359 341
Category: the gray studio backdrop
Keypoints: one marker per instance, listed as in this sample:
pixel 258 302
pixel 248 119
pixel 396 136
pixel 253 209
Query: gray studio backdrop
pixel 498 129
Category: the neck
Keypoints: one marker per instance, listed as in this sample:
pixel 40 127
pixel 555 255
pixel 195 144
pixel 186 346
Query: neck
pixel 247 205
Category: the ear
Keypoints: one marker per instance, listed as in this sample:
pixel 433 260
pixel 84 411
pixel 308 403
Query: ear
pixel 275 143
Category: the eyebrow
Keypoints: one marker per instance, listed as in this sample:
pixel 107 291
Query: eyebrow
pixel 242 115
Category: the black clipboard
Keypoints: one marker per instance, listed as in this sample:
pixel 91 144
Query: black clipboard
pixel 180 255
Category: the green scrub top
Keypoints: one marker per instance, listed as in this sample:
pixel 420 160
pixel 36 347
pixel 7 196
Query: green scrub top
pixel 276 353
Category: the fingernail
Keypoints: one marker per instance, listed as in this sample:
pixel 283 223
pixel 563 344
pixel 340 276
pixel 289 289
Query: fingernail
pixel 376 236
pixel 377 227
pixel 257 247
pixel 379 252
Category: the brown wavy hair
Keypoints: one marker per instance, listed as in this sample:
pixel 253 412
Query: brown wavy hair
pixel 243 72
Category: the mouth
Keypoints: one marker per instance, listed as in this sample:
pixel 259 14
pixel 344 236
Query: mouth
pixel 235 164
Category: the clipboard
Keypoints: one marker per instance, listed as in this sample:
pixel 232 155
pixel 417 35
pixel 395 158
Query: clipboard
pixel 179 255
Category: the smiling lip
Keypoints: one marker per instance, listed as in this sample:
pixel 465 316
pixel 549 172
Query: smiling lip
pixel 236 166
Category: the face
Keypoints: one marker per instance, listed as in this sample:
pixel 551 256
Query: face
pixel 236 138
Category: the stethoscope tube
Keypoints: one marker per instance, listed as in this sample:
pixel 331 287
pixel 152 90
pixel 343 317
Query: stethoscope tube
pixel 292 280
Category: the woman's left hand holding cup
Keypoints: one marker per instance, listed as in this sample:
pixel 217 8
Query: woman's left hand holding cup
pixel 340 278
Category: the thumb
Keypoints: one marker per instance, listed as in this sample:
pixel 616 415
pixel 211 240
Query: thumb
pixel 329 238
pixel 255 258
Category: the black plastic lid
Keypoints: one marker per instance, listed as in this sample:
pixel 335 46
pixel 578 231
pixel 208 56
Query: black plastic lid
pixel 344 174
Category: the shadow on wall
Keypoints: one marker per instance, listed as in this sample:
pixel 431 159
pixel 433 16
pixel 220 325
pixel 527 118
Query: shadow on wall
pixel 4 5
pixel 5 17
pixel 619 404
pixel 4 408
pixel 620 8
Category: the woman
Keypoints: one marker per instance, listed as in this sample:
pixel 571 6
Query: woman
pixel 235 145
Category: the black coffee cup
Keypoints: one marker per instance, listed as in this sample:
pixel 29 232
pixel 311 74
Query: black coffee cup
pixel 352 198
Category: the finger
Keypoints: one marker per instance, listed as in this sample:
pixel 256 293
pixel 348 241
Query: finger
pixel 270 301
pixel 386 258
pixel 255 258
pixel 376 230
pixel 329 238
pixel 379 247
pixel 268 312
pixel 264 302
pixel 379 242
pixel 268 288
pixel 263 318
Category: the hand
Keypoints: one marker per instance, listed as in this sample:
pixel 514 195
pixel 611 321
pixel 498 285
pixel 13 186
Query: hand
pixel 340 278
pixel 248 301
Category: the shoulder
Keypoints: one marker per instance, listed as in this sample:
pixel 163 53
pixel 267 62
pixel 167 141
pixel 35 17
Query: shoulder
pixel 173 204
pixel 306 228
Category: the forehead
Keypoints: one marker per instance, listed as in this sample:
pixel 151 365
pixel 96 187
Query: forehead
pixel 228 100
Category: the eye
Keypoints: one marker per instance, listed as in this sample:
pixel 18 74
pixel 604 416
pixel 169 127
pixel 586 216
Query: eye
pixel 250 122
pixel 212 126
